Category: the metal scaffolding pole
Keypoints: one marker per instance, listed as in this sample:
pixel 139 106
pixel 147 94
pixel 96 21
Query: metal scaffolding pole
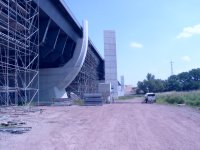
pixel 91 73
pixel 19 52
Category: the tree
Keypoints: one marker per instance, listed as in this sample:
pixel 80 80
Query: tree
pixel 150 77
pixel 151 84
pixel 194 79
pixel 195 74
pixel 159 85
pixel 182 82
pixel 142 86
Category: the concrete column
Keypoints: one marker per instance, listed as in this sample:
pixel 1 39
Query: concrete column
pixel 111 61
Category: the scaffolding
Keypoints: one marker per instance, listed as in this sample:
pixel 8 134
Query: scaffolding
pixel 19 52
pixel 90 75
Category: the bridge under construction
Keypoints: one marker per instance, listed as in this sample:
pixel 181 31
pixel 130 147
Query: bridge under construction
pixel 45 52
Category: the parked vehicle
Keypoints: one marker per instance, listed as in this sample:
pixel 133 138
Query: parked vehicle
pixel 150 98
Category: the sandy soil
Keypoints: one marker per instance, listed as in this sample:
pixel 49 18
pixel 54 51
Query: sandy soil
pixel 128 125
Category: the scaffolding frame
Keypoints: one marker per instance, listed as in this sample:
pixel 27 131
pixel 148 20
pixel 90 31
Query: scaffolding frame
pixel 90 75
pixel 19 52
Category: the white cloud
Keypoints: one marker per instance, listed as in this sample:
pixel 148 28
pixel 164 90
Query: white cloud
pixel 189 31
pixel 136 45
pixel 186 58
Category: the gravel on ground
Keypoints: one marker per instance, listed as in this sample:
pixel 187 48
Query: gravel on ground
pixel 124 125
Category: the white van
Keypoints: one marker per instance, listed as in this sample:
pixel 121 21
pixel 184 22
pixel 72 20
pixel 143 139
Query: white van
pixel 150 97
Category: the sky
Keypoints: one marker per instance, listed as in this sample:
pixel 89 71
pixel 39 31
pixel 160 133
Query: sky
pixel 149 33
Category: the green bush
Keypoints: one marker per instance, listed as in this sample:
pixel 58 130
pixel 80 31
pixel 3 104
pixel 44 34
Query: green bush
pixel 79 102
pixel 191 98
pixel 175 100
pixel 193 103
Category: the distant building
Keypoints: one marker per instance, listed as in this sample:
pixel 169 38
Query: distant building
pixel 129 89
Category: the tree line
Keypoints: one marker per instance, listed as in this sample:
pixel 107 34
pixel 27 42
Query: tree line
pixel 184 81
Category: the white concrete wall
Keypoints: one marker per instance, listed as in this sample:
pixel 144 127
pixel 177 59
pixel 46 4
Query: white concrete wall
pixel 111 61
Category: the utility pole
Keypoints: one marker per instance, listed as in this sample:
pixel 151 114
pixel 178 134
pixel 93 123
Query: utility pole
pixel 171 62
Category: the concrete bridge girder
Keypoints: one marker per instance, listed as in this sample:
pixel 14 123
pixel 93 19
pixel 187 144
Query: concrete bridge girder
pixel 49 7
pixel 53 81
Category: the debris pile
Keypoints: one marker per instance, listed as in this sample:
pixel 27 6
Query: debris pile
pixel 10 121
pixel 14 127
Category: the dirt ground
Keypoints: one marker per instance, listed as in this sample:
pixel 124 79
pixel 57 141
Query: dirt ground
pixel 127 125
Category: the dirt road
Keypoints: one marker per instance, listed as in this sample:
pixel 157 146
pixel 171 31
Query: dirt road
pixel 128 125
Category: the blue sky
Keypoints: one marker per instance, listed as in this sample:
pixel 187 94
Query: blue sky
pixel 149 33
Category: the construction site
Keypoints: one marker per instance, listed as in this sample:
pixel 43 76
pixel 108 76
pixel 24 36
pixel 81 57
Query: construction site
pixel 46 59
pixel 58 93
pixel 43 57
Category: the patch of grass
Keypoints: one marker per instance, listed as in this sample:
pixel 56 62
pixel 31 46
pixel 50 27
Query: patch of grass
pixel 174 99
pixel 129 97
pixel 193 103
pixel 191 98
pixel 79 102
